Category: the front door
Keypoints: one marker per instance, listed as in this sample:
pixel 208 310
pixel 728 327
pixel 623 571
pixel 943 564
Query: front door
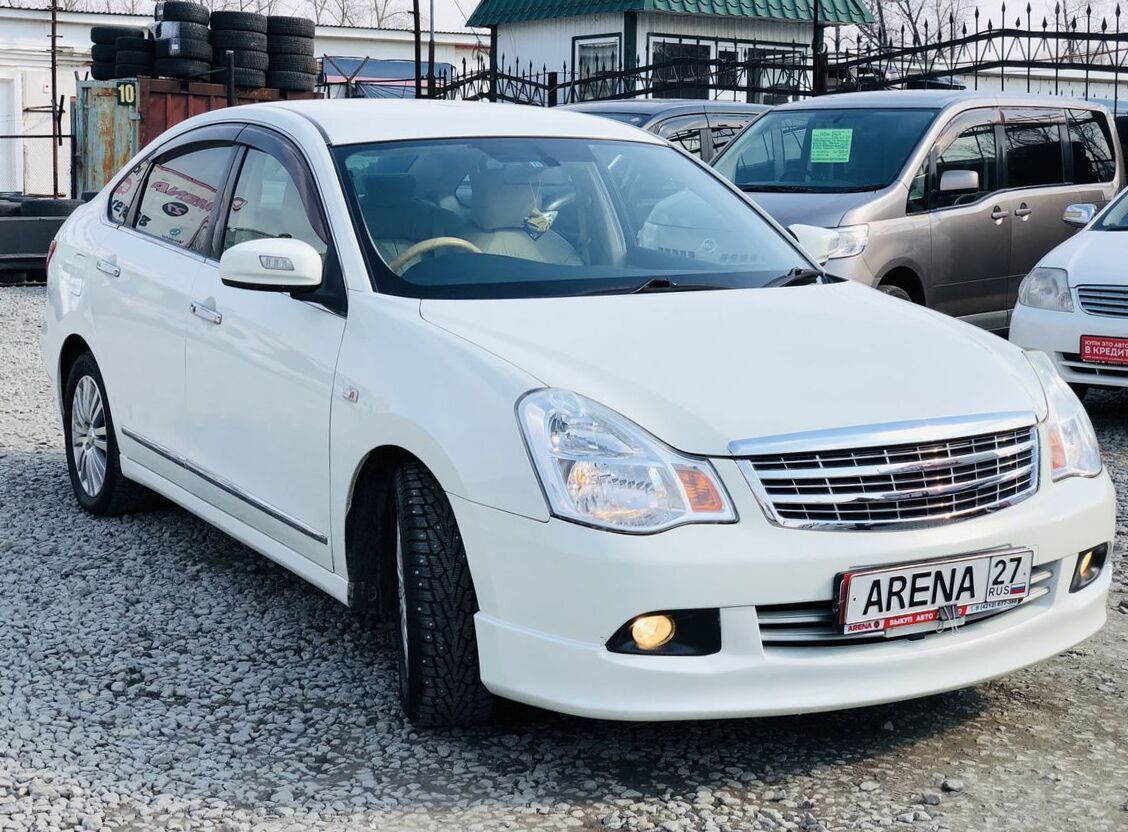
pixel 971 230
pixel 260 365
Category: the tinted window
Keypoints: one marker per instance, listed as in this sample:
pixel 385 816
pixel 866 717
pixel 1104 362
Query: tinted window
pixel 824 150
pixel 180 194
pixel 723 128
pixel 551 218
pixel 1090 144
pixel 268 202
pixel 974 150
pixel 685 132
pixel 124 191
pixel 1033 155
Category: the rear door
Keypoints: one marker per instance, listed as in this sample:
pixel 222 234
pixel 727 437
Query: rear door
pixel 149 265
pixel 971 231
pixel 1038 186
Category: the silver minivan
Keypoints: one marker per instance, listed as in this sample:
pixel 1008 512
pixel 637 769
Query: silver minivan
pixel 944 198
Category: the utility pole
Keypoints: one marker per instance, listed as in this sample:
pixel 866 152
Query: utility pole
pixel 418 50
pixel 818 64
pixel 431 54
pixel 56 115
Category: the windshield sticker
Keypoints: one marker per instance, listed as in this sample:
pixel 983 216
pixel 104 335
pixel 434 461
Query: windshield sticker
pixel 831 145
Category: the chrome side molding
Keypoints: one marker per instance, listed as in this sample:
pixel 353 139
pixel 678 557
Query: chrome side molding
pixel 224 485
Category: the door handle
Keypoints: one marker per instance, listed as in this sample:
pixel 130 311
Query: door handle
pixel 998 214
pixel 108 268
pixel 209 315
pixel 1023 211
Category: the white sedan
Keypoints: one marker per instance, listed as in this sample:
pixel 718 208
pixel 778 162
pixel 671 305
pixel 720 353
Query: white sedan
pixel 590 427
pixel 1074 304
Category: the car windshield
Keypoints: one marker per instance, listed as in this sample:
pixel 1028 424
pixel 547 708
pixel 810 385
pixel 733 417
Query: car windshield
pixel 824 151
pixel 1116 217
pixel 532 217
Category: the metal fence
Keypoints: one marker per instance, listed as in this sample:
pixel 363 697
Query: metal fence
pixel 1085 56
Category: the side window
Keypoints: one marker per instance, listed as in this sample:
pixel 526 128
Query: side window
pixel 918 191
pixel 268 202
pixel 1033 155
pixel 180 194
pixel 685 132
pixel 1090 144
pixel 974 150
pixel 122 197
pixel 723 128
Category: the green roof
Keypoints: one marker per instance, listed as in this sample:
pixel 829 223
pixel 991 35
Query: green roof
pixel 491 12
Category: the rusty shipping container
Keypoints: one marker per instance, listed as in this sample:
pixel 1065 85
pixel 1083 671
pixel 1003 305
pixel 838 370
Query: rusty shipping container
pixel 115 119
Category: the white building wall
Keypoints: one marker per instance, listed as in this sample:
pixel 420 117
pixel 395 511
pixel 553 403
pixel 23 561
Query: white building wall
pixel 549 42
pixel 760 30
pixel 25 78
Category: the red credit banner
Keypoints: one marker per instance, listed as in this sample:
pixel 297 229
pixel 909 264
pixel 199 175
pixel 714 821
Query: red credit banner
pixel 1102 350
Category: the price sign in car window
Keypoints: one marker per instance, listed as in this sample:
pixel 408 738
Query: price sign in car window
pixel 831 145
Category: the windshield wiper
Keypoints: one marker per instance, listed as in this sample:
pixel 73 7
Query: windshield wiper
pixel 798 276
pixel 853 189
pixel 767 188
pixel 662 284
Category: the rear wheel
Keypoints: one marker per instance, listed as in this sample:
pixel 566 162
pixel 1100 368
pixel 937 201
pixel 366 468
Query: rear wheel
pixel 91 446
pixel 440 680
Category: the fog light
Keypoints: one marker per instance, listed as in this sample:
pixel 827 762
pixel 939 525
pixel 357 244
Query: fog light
pixel 652 631
pixel 1090 563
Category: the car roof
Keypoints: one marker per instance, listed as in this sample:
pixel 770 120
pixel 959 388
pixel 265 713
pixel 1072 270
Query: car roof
pixel 663 107
pixel 933 99
pixel 356 120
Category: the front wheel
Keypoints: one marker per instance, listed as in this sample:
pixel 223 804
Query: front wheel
pixel 440 680
pixel 893 290
pixel 91 446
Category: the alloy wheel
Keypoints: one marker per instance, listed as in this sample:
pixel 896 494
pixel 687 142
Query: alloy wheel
pixel 88 436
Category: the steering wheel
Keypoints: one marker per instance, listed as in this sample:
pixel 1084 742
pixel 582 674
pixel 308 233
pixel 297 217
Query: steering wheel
pixel 566 198
pixel 416 251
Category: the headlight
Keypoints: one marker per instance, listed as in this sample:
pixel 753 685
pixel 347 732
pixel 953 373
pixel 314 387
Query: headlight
pixel 601 469
pixel 1073 443
pixel 1046 288
pixel 852 241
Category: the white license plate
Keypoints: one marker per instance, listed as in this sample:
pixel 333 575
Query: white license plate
pixel 932 594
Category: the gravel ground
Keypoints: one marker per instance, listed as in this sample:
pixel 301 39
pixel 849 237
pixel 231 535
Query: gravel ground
pixel 156 674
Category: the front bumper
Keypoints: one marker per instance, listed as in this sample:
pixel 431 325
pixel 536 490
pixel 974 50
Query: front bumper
pixel 1059 335
pixel 552 593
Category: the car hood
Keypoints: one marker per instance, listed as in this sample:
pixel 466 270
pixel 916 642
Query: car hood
pixel 703 369
pixel 826 210
pixel 1092 257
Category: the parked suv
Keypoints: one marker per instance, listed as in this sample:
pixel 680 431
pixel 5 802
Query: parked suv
pixel 944 198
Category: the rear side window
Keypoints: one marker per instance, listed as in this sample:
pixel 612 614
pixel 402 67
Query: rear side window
pixel 1090 144
pixel 1033 155
pixel 122 197
pixel 180 196
pixel 685 132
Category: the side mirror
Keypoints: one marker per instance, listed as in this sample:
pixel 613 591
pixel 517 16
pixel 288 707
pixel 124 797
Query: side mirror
pixel 952 181
pixel 275 264
pixel 818 242
pixel 1079 214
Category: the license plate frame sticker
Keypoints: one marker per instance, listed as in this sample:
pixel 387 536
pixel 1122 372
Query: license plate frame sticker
pixel 1102 349
pixel 931 594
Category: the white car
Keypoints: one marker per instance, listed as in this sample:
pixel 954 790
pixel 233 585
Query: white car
pixel 1074 303
pixel 466 362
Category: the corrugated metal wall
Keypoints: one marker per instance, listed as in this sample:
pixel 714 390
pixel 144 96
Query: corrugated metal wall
pixel 549 42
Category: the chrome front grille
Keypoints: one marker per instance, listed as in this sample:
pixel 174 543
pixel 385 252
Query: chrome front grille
pixel 893 484
pixel 814 625
pixel 1104 300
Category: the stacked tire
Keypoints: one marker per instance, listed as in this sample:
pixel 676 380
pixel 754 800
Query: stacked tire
pixel 182 47
pixel 290 44
pixel 104 50
pixel 244 35
pixel 134 58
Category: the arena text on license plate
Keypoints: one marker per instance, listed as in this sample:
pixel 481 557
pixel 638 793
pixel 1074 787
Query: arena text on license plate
pixel 932 594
